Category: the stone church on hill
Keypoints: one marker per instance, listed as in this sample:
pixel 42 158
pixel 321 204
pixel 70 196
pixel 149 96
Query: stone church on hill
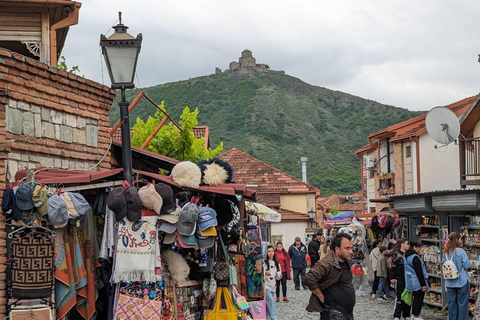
pixel 246 64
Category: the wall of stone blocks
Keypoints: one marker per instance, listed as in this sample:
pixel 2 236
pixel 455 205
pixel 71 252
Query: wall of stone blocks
pixel 398 167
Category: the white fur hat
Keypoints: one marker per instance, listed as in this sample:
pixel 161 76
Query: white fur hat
pixel 187 174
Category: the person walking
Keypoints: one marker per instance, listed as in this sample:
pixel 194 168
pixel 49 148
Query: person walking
pixel 330 281
pixel 382 273
pixel 273 273
pixel 284 261
pixel 416 278
pixel 374 261
pixel 397 278
pixel 324 247
pixel 458 289
pixel 314 247
pixel 297 253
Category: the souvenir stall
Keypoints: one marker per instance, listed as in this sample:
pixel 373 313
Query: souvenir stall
pixel 166 247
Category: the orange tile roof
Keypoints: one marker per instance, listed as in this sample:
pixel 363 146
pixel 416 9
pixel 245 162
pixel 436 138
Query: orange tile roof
pixel 202 132
pixel 269 199
pixel 288 215
pixel 249 170
pixel 355 207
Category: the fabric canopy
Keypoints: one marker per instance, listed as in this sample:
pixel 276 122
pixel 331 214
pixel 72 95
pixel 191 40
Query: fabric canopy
pixel 342 216
pixel 265 213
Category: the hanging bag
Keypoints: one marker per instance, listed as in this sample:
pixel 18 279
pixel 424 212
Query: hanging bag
pixel 240 301
pixel 407 297
pixel 242 244
pixel 222 270
pixel 223 298
pixel 449 269
pixel 232 271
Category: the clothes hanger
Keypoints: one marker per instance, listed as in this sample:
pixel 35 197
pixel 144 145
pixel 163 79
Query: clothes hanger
pixel 31 225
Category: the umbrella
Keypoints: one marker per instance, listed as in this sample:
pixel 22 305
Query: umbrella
pixel 265 213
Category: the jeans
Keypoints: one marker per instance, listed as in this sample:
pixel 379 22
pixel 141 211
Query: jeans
pixel 283 282
pixel 296 276
pixel 375 282
pixel 383 286
pixel 330 314
pixel 457 299
pixel 417 302
pixel 400 308
pixel 271 306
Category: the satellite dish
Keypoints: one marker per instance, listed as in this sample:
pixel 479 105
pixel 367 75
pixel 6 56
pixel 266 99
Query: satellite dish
pixel 442 125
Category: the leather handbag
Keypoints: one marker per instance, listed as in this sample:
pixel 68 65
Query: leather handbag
pixel 222 270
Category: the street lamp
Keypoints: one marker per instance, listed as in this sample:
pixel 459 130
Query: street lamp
pixel 120 51
pixel 311 214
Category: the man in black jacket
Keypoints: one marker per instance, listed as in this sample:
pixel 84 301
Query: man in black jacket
pixel 397 277
pixel 313 248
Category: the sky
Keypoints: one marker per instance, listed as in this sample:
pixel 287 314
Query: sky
pixel 409 54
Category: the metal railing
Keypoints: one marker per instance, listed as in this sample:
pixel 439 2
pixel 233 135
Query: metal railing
pixel 469 162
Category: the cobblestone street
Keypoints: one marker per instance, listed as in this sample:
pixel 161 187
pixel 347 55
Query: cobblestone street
pixel 366 308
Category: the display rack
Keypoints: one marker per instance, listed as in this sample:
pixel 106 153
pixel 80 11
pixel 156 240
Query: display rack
pixel 472 247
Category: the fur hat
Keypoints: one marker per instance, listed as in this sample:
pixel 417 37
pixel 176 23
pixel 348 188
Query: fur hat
pixel 215 171
pixel 177 266
pixel 187 174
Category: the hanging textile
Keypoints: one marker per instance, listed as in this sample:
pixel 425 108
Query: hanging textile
pixel 133 308
pixel 65 297
pixel 108 240
pixel 32 265
pixel 138 252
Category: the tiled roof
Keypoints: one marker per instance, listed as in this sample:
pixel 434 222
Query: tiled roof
pixel 202 132
pixel 269 199
pixel 327 203
pixel 249 170
pixel 355 207
pixel 288 215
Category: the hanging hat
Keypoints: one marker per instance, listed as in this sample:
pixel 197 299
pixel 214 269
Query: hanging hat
pixel 117 202
pixel 209 232
pixel 205 242
pixel 72 212
pixel 39 198
pixel 81 206
pixel 183 244
pixel 166 192
pixel 207 217
pixel 167 227
pixel 150 198
pixel 57 211
pixel 24 197
pixel 169 238
pixel 134 204
pixel 171 217
pixel 187 174
pixel 215 171
pixel 188 219
pixel 224 210
pixel 9 206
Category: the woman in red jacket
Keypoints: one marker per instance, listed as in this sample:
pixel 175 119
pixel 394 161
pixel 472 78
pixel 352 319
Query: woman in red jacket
pixel 284 261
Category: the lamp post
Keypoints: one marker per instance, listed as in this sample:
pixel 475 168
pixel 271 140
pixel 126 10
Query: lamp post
pixel 120 52
pixel 311 215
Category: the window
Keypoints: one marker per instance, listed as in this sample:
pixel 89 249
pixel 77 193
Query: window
pixel 265 228
pixel 371 174
pixel 408 151
pixel 371 209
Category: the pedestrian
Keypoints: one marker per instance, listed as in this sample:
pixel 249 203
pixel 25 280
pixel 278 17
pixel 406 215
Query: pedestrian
pixel 374 261
pixel 314 247
pixel 458 289
pixel 397 278
pixel 324 247
pixel 284 261
pixel 273 273
pixel 330 281
pixel 297 253
pixel 382 273
pixel 416 278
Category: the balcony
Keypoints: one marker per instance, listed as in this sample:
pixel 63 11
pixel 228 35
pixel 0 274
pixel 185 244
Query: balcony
pixel 469 162
pixel 386 183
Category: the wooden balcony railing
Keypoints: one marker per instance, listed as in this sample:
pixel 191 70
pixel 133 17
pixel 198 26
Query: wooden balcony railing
pixel 469 150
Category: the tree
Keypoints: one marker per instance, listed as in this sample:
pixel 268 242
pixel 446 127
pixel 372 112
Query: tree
pixel 62 65
pixel 172 142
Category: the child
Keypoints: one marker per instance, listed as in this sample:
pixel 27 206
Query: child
pixel 273 273
pixel 382 274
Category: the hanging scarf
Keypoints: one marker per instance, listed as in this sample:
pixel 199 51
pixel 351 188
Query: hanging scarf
pixel 108 240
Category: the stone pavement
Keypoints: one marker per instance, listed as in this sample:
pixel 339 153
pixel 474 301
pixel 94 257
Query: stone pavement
pixel 366 308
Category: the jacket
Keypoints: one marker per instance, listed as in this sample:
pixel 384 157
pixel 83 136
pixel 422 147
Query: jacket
pixel 415 272
pixel 297 255
pixel 374 258
pixel 323 275
pixel 313 248
pixel 397 268
pixel 284 262
pixel 382 271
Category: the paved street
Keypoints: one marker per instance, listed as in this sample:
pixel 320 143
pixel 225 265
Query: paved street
pixel 366 308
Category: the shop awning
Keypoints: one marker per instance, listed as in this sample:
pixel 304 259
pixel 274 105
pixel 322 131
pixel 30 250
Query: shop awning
pixel 265 213
pixel 332 223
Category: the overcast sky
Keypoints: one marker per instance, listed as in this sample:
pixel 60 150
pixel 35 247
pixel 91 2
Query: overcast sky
pixel 410 54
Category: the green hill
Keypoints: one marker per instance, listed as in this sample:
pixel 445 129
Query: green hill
pixel 278 119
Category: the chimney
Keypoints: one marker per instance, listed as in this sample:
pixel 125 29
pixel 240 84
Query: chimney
pixel 304 168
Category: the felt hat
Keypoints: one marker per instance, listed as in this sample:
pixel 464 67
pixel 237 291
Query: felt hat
pixel 39 198
pixel 215 171
pixel 187 174
pixel 24 197
pixel 209 232
pixel 167 227
pixel 166 192
pixel 150 198
pixel 169 238
pixel 188 219
pixel 134 204
pixel 117 202
pixel 171 217
pixel 9 206
pixel 57 211
pixel 207 217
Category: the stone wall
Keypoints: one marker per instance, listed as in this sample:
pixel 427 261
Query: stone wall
pixel 399 167
pixel 48 118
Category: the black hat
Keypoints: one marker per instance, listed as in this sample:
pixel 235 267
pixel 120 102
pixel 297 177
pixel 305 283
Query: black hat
pixel 117 202
pixel 134 204
pixel 166 192
pixel 9 206
pixel 224 210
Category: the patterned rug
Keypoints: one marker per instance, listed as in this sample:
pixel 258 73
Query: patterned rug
pixel 32 265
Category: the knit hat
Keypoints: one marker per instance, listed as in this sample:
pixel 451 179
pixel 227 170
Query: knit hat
pixel 187 174
pixel 134 204
pixel 207 217
pixel 150 198
pixel 57 211
pixel 24 197
pixel 215 171
pixel 39 198
pixel 117 202
pixel 166 192
pixel 188 219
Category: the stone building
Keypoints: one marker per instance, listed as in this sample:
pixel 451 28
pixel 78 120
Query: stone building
pixel 246 64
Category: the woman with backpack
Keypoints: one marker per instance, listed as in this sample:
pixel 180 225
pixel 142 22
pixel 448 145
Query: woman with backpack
pixel 454 266
pixel 273 272
pixel 416 278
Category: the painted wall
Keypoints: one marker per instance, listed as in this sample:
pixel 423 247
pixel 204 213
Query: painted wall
pixel 288 231
pixel 439 168
pixel 476 130
pixel 371 176
pixel 294 202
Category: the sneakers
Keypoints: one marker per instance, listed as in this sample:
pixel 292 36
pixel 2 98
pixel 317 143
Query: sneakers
pixel 396 318
pixel 389 297
pixel 278 299
pixel 381 299
pixel 305 287
pixel 374 295
pixel 286 300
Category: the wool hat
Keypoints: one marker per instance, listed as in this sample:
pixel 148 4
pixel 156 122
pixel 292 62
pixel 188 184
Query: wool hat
pixel 298 239
pixel 166 192
pixel 150 198
pixel 169 238
pixel 167 227
pixel 117 202
pixel 187 174
pixel 188 219
pixel 215 171
pixel 24 197
pixel 39 198
pixel 207 217
pixel 57 211
pixel 181 243
pixel 9 206
pixel 209 232
pixel 134 204
pixel 171 217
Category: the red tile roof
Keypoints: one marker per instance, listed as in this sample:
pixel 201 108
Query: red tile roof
pixel 251 171
pixel 288 215
pixel 354 207
pixel 202 132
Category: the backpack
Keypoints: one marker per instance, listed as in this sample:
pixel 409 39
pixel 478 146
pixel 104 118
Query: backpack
pixel 449 269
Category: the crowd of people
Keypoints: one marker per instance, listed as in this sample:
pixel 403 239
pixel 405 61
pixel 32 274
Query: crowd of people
pixel 330 276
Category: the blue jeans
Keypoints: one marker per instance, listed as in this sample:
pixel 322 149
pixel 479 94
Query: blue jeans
pixel 457 299
pixel 383 286
pixel 271 306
